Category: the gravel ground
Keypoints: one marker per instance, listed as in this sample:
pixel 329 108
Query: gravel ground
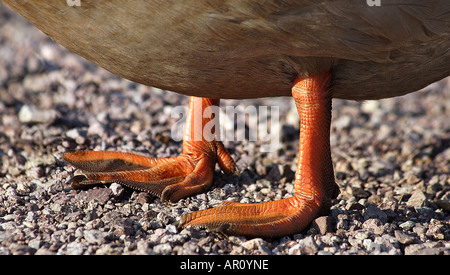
pixel 391 157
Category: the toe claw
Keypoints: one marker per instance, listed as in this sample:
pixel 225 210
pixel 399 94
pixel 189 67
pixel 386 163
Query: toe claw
pixel 76 181
pixel 166 194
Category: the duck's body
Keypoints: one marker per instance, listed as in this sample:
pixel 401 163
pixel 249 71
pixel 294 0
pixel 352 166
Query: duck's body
pixel 316 49
pixel 252 48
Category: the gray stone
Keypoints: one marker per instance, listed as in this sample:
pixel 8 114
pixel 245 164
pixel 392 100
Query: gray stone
pixel 96 236
pixel 101 195
pixel 404 238
pixel 373 212
pixel 164 248
pixel 31 114
pixel 374 225
pixel 388 244
pixel 257 245
pixel 324 224
pixel 78 135
pixel 408 225
pixel 117 190
pixel 73 248
pixel 417 199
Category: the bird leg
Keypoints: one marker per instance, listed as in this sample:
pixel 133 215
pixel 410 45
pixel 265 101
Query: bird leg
pixel 169 178
pixel 315 186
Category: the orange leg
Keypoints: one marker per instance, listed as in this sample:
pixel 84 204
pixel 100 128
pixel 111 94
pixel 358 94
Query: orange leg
pixel 314 181
pixel 169 178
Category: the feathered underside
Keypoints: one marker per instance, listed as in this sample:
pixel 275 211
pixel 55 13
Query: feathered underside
pixel 253 48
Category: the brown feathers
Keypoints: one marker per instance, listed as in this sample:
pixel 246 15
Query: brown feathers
pixel 253 48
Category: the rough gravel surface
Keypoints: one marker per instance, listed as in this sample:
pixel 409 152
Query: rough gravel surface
pixel 391 159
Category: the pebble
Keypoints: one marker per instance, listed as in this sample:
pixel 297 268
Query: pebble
pixel 96 236
pixel 258 246
pixel 163 249
pixel 101 195
pixel 78 135
pixel 30 114
pixel 374 225
pixel 324 224
pixel 408 225
pixel 404 238
pixel 373 212
pixel 342 123
pixel 417 199
pixel 117 190
pixel 370 106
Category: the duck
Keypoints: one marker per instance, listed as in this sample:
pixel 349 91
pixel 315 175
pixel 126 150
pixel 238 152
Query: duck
pixel 311 50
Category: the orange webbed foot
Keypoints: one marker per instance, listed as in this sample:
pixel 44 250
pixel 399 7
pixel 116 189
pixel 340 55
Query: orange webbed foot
pixel 171 179
pixel 315 186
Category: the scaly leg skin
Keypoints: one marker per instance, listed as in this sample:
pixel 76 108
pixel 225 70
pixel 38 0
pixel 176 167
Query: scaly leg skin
pixel 314 182
pixel 169 178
